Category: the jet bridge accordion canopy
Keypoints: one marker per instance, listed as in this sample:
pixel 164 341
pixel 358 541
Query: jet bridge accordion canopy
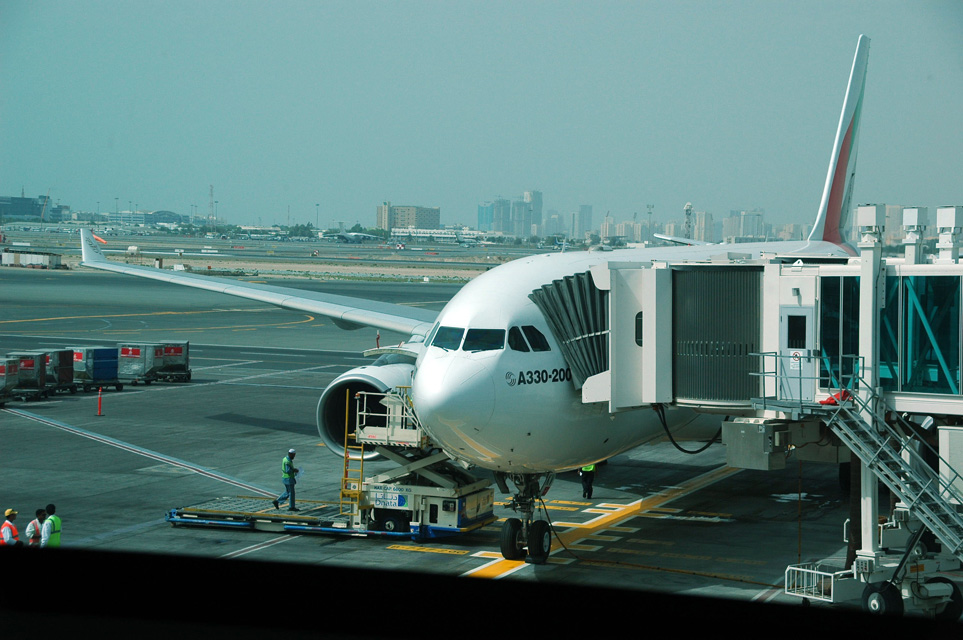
pixel 577 314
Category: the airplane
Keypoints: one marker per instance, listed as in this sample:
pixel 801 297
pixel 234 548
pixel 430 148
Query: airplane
pixel 689 242
pixel 489 382
pixel 351 236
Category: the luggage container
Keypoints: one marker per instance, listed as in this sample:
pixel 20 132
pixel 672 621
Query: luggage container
pixel 60 370
pixel 32 374
pixel 9 377
pixel 96 367
pixel 176 367
pixel 139 361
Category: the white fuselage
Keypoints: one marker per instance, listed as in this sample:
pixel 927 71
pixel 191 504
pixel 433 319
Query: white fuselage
pixel 518 411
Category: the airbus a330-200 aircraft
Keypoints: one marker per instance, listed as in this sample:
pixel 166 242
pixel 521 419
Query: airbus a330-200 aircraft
pixel 489 381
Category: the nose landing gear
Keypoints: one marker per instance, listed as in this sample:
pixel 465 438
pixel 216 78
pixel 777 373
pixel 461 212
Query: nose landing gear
pixel 526 536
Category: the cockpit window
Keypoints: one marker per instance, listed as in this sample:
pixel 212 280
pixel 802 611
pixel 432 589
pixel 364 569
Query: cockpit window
pixel 536 338
pixel 484 340
pixel 448 338
pixel 515 340
pixel 431 334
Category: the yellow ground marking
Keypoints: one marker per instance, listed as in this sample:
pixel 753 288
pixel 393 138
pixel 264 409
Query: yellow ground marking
pixel 577 532
pixel 409 547
pixel 250 327
pixel 548 505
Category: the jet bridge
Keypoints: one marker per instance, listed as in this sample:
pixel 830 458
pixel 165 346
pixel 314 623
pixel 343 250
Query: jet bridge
pixel 861 355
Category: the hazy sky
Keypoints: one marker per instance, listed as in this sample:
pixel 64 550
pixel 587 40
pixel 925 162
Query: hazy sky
pixel 284 104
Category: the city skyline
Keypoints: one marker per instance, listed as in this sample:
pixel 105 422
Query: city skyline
pixel 325 110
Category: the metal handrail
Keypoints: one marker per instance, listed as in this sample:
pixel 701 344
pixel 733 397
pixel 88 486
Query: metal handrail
pixel 913 478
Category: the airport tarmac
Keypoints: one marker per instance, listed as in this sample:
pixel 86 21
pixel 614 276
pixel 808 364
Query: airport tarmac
pixel 660 519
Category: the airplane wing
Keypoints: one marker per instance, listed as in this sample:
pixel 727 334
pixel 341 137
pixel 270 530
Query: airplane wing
pixel 686 241
pixel 346 312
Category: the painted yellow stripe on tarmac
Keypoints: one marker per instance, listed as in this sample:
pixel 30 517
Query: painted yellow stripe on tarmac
pixel 408 547
pixel 130 315
pixel 236 327
pixel 499 568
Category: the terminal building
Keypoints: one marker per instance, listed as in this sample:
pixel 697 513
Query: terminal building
pixel 33 209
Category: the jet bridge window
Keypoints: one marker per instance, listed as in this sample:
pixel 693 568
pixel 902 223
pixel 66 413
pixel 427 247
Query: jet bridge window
pixel 484 340
pixel 448 338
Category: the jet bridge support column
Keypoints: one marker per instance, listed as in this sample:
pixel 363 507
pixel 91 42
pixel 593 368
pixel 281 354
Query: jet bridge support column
pixel 871 220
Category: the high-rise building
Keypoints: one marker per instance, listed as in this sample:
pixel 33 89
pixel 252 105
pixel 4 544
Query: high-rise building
pixel 702 226
pixel 553 224
pixel 486 216
pixel 502 215
pixel 585 219
pixel 391 217
pixel 521 218
pixel 534 200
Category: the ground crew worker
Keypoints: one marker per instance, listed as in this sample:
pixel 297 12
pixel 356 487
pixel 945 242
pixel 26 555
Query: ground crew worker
pixel 9 537
pixel 50 536
pixel 289 478
pixel 588 476
pixel 35 529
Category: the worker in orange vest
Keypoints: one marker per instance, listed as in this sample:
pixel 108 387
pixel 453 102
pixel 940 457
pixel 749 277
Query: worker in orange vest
pixel 35 528
pixel 9 537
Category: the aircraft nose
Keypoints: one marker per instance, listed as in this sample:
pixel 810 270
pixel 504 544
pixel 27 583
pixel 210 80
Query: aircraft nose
pixel 454 392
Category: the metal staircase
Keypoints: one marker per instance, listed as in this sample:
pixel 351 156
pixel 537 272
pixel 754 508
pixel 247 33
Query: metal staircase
pixel 895 454
pixel 353 474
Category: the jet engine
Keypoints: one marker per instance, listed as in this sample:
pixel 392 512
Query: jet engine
pixel 337 406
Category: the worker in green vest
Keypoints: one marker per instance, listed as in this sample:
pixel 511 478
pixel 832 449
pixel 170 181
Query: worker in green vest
pixel 289 476
pixel 50 536
pixel 588 476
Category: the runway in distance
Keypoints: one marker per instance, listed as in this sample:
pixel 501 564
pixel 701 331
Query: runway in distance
pixel 489 380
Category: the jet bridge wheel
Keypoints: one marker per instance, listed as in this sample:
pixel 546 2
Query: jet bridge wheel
pixel 882 598
pixel 511 540
pixel 953 609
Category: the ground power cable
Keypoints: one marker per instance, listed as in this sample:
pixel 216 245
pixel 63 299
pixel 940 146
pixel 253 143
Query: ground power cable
pixel 660 411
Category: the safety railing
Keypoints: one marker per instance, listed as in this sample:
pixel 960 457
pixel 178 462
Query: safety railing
pixel 889 445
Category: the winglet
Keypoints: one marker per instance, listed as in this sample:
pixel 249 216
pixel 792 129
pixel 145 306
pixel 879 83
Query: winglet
pixel 89 249
pixel 835 207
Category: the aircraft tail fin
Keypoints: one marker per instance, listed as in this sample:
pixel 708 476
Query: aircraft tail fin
pixel 835 208
pixel 89 249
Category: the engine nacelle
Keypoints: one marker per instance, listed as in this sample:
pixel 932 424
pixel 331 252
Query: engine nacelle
pixel 337 406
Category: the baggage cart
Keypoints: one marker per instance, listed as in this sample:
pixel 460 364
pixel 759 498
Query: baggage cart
pixel 32 374
pixel 139 362
pixel 176 366
pixel 60 370
pixel 96 367
pixel 9 377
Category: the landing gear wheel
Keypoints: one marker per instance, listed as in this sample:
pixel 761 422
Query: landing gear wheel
pixel 539 541
pixel 511 540
pixel 953 609
pixel 120 387
pixel 882 598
